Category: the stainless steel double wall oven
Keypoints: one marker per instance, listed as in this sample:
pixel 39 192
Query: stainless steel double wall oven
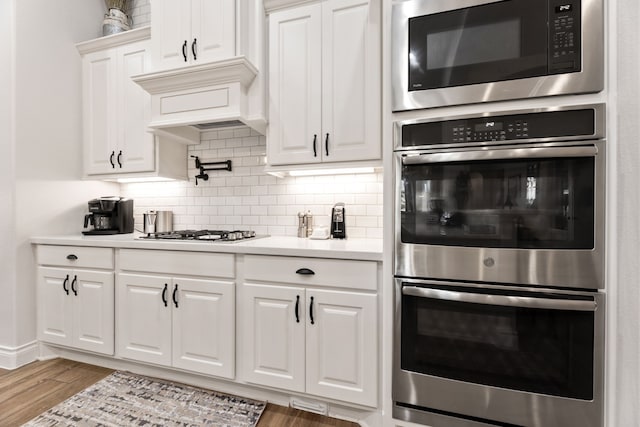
pixel 499 259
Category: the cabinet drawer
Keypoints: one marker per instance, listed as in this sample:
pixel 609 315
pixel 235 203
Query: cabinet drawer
pixel 177 262
pixel 326 272
pixel 75 256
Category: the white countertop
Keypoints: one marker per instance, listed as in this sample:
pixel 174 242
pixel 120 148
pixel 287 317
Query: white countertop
pixel 356 249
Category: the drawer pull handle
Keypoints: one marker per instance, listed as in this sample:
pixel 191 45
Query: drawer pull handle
pixel 64 284
pixel 311 311
pixel 164 294
pixel 73 288
pixel 305 272
pixel 72 257
pixel 175 296
pixel 297 307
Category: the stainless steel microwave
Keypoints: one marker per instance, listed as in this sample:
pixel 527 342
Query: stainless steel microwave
pixel 452 52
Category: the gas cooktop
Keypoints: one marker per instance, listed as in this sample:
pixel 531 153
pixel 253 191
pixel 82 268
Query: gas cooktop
pixel 205 235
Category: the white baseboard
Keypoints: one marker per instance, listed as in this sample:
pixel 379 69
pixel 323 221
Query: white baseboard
pixel 12 358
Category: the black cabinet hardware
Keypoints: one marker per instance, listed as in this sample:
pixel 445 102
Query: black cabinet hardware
pixel 305 271
pixel 326 145
pixel 193 49
pixel 297 306
pixel 72 257
pixel 164 294
pixel 311 311
pixel 118 159
pixel 113 165
pixel 73 287
pixel 315 139
pixel 184 51
pixel 64 284
pixel 175 295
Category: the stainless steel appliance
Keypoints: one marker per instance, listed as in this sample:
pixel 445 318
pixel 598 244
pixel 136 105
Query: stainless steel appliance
pixel 448 52
pixel 499 259
pixel 226 236
pixel 109 215
pixel 510 197
pixel 472 355
pixel 157 222
pixel 338 222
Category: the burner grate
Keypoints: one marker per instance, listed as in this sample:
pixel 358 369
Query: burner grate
pixel 203 235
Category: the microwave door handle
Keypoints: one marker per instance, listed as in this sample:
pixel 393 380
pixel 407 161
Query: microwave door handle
pixel 503 300
pixel 499 154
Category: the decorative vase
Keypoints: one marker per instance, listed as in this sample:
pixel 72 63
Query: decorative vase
pixel 115 21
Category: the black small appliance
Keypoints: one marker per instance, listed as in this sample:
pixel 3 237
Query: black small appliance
pixel 338 223
pixel 109 215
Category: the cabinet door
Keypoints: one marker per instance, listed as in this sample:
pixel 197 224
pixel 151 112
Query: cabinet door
pixel 295 86
pixel 144 319
pixel 93 310
pixel 204 326
pixel 171 29
pixel 274 336
pixel 213 30
pixel 54 305
pixel 342 342
pixel 100 127
pixel 135 148
pixel 350 81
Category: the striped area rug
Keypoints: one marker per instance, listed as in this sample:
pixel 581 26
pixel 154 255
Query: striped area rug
pixel 125 399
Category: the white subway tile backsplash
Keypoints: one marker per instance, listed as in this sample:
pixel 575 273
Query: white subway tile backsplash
pixel 246 197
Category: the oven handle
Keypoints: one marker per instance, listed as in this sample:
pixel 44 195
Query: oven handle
pixel 503 300
pixel 416 158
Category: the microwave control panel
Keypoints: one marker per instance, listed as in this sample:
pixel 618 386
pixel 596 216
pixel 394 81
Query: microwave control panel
pixel 549 124
pixel 564 36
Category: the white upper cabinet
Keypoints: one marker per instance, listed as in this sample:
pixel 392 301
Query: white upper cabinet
pixel 324 83
pixel 117 111
pixel 192 31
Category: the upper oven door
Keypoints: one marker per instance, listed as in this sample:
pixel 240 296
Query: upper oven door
pixel 513 214
pixel 448 52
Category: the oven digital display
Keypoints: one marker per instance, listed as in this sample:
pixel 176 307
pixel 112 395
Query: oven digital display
pixel 488 126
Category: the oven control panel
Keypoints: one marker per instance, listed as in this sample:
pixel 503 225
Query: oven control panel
pixel 564 36
pixel 547 124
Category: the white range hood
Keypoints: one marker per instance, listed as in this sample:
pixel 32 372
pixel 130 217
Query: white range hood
pixel 195 98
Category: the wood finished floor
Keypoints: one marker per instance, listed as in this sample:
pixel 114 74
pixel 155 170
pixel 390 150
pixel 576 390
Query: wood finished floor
pixel 37 387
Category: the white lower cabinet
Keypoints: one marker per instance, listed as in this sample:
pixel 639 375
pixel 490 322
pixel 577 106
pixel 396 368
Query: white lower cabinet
pixel 308 339
pixel 182 322
pixel 75 305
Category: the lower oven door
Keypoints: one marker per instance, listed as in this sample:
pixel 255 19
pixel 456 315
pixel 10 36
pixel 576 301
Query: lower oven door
pixel 498 354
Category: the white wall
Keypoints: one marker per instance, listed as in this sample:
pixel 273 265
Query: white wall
pixel 7 179
pixel 49 196
pixel 625 265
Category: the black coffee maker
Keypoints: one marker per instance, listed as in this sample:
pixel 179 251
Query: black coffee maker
pixel 109 215
pixel 338 222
